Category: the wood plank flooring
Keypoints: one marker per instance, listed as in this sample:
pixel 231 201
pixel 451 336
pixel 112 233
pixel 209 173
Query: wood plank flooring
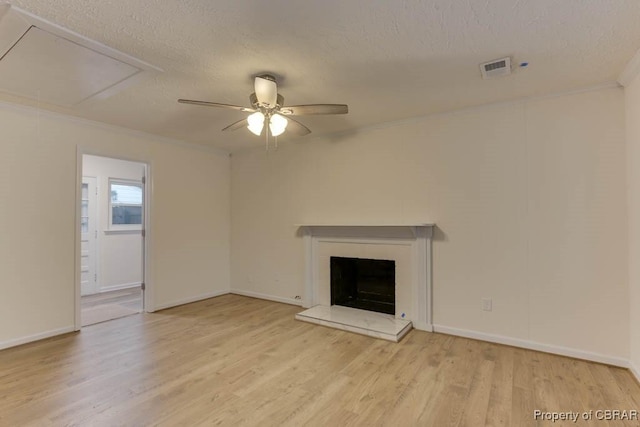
pixel 129 298
pixel 111 305
pixel 234 360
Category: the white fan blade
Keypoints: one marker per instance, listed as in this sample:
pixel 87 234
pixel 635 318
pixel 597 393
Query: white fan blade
pixel 266 91
pixel 216 104
pixel 297 128
pixel 236 125
pixel 303 110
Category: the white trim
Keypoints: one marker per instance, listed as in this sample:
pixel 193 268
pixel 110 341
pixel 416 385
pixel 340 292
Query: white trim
pixel 266 297
pixel 123 231
pixel 630 71
pixel 417 236
pixel 36 337
pixel 532 345
pixel 189 300
pixel 119 287
pixel 422 326
pixel 472 108
pixel 416 265
pixel 148 302
pixel 461 110
pixel 373 224
pixel 77 265
pixel 39 112
pixel 634 370
pixel 309 292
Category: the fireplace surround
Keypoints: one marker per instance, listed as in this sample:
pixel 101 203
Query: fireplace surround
pixel 408 245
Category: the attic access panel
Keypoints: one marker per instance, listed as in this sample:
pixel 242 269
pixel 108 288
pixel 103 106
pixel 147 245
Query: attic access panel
pixel 43 61
pixel 52 69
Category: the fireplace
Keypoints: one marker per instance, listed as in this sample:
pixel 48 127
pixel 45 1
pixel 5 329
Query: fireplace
pixel 404 301
pixel 367 284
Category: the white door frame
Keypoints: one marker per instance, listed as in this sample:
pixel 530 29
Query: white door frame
pixel 147 267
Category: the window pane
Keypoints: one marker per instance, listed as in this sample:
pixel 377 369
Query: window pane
pixel 126 215
pixel 126 194
pixel 85 208
pixel 126 202
pixel 85 191
pixel 84 225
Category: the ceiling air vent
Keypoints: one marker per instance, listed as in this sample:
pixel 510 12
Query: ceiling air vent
pixel 496 68
pixel 42 61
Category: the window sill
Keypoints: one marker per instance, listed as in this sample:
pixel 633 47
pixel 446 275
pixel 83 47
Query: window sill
pixel 123 231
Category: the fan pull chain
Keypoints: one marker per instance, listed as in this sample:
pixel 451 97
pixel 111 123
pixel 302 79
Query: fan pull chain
pixel 266 141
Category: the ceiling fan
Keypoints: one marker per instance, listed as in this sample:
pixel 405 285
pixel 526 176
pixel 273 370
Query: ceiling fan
pixel 267 107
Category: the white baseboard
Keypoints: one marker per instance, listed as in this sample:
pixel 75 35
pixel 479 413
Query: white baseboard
pixel 267 297
pixel 36 337
pixel 189 300
pixel 422 326
pixel 532 345
pixel 119 287
pixel 635 371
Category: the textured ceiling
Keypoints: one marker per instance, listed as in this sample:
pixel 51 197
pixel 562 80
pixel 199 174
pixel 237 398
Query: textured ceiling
pixel 389 60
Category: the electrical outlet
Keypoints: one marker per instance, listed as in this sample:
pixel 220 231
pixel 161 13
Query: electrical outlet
pixel 487 304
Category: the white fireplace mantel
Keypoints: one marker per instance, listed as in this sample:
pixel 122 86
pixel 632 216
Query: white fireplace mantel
pixel 419 236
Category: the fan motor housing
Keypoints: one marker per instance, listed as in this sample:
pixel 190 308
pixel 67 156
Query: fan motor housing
pixel 253 99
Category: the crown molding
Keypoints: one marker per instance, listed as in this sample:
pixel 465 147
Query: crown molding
pixel 631 70
pixel 462 110
pixel 41 112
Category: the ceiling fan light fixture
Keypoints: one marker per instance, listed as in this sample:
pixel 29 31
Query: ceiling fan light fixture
pixel 267 108
pixel 256 123
pixel 277 124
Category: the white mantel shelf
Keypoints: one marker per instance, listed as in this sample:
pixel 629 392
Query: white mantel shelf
pixel 416 229
pixel 418 235
pixel 417 224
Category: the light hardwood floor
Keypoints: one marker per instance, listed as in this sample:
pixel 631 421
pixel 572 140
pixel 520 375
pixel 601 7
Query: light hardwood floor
pixel 234 360
pixel 129 298
pixel 111 305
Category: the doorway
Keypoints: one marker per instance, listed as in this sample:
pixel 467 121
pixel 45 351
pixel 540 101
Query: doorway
pixel 113 212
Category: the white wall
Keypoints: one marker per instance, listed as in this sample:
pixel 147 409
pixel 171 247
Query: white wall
pixel 189 247
pixel 529 198
pixel 632 97
pixel 119 254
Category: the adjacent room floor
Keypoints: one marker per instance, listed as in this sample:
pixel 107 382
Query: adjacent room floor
pixel 111 305
pixel 234 360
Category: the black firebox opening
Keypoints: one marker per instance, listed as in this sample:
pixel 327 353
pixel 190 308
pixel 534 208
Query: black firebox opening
pixel 368 284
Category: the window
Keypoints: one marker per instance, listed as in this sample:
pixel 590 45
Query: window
pixel 125 205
